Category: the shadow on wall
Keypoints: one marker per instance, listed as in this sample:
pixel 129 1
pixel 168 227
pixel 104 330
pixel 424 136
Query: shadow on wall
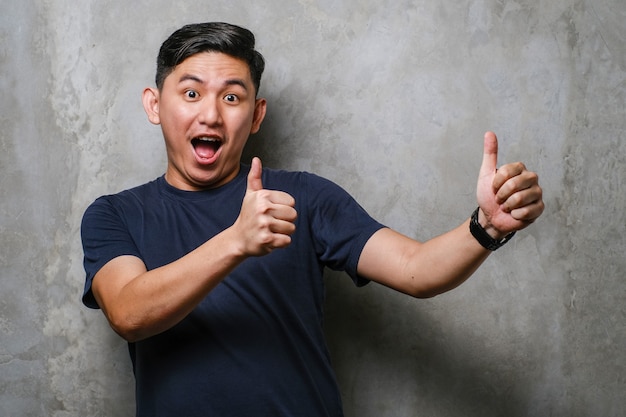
pixel 272 143
pixel 294 132
pixel 394 357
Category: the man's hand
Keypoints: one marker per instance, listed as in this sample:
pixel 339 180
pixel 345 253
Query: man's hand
pixel 266 220
pixel 509 197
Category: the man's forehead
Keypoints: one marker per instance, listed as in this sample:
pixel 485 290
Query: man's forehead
pixel 208 66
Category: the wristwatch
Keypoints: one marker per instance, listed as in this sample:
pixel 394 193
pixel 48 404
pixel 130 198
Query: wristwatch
pixel 483 237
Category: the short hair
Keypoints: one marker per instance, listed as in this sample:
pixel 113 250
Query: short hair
pixel 221 37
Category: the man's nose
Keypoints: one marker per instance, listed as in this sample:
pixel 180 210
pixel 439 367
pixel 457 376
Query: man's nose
pixel 210 112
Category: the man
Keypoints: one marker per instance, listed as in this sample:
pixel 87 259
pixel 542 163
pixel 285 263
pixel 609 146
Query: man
pixel 213 272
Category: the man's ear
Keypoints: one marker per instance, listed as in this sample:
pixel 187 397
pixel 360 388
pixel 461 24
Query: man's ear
pixel 260 107
pixel 150 99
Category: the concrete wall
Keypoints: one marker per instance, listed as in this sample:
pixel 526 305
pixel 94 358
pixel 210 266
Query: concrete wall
pixel 390 99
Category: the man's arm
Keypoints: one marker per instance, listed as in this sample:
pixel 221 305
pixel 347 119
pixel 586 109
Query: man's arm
pixel 509 198
pixel 140 303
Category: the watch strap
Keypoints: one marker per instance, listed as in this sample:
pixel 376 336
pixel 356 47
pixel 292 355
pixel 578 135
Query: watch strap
pixel 481 235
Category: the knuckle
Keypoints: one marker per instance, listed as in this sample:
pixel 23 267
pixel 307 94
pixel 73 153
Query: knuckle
pixel 293 215
pixel 515 200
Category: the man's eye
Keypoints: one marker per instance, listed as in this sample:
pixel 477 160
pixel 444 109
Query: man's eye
pixel 191 94
pixel 230 98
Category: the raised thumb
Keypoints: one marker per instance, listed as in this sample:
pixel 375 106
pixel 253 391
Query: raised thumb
pixel 490 154
pixel 254 176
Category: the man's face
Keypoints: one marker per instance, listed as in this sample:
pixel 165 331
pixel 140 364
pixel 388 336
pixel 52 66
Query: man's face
pixel 207 109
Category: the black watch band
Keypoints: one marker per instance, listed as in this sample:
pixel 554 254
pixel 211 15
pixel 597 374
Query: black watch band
pixel 483 237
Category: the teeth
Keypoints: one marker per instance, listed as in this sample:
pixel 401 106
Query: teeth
pixel 208 139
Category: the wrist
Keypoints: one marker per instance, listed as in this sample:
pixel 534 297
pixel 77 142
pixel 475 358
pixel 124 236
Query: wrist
pixel 233 244
pixel 488 227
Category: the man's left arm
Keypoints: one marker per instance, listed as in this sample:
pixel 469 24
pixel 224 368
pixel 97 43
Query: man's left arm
pixel 509 199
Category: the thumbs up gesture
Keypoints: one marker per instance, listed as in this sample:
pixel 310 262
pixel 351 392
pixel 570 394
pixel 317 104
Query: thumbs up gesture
pixel 266 219
pixel 509 197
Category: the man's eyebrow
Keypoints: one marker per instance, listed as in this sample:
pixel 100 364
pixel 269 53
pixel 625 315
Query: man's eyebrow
pixel 190 77
pixel 195 78
pixel 237 81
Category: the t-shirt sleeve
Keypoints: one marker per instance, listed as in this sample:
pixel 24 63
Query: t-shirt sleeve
pixel 341 227
pixel 105 236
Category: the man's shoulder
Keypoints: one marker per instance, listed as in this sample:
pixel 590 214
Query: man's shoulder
pixel 137 195
pixel 300 179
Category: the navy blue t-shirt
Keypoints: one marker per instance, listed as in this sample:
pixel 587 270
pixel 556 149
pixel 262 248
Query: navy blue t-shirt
pixel 255 345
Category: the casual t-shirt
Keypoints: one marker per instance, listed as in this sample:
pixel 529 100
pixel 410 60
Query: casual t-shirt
pixel 255 345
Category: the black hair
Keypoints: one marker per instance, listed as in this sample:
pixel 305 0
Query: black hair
pixel 221 37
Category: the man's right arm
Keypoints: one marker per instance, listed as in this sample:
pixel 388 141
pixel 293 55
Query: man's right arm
pixel 140 303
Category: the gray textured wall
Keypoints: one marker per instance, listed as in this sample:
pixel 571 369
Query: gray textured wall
pixel 389 99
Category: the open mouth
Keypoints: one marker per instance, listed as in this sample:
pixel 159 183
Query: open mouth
pixel 206 147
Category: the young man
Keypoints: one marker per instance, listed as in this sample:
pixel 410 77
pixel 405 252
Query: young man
pixel 213 272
